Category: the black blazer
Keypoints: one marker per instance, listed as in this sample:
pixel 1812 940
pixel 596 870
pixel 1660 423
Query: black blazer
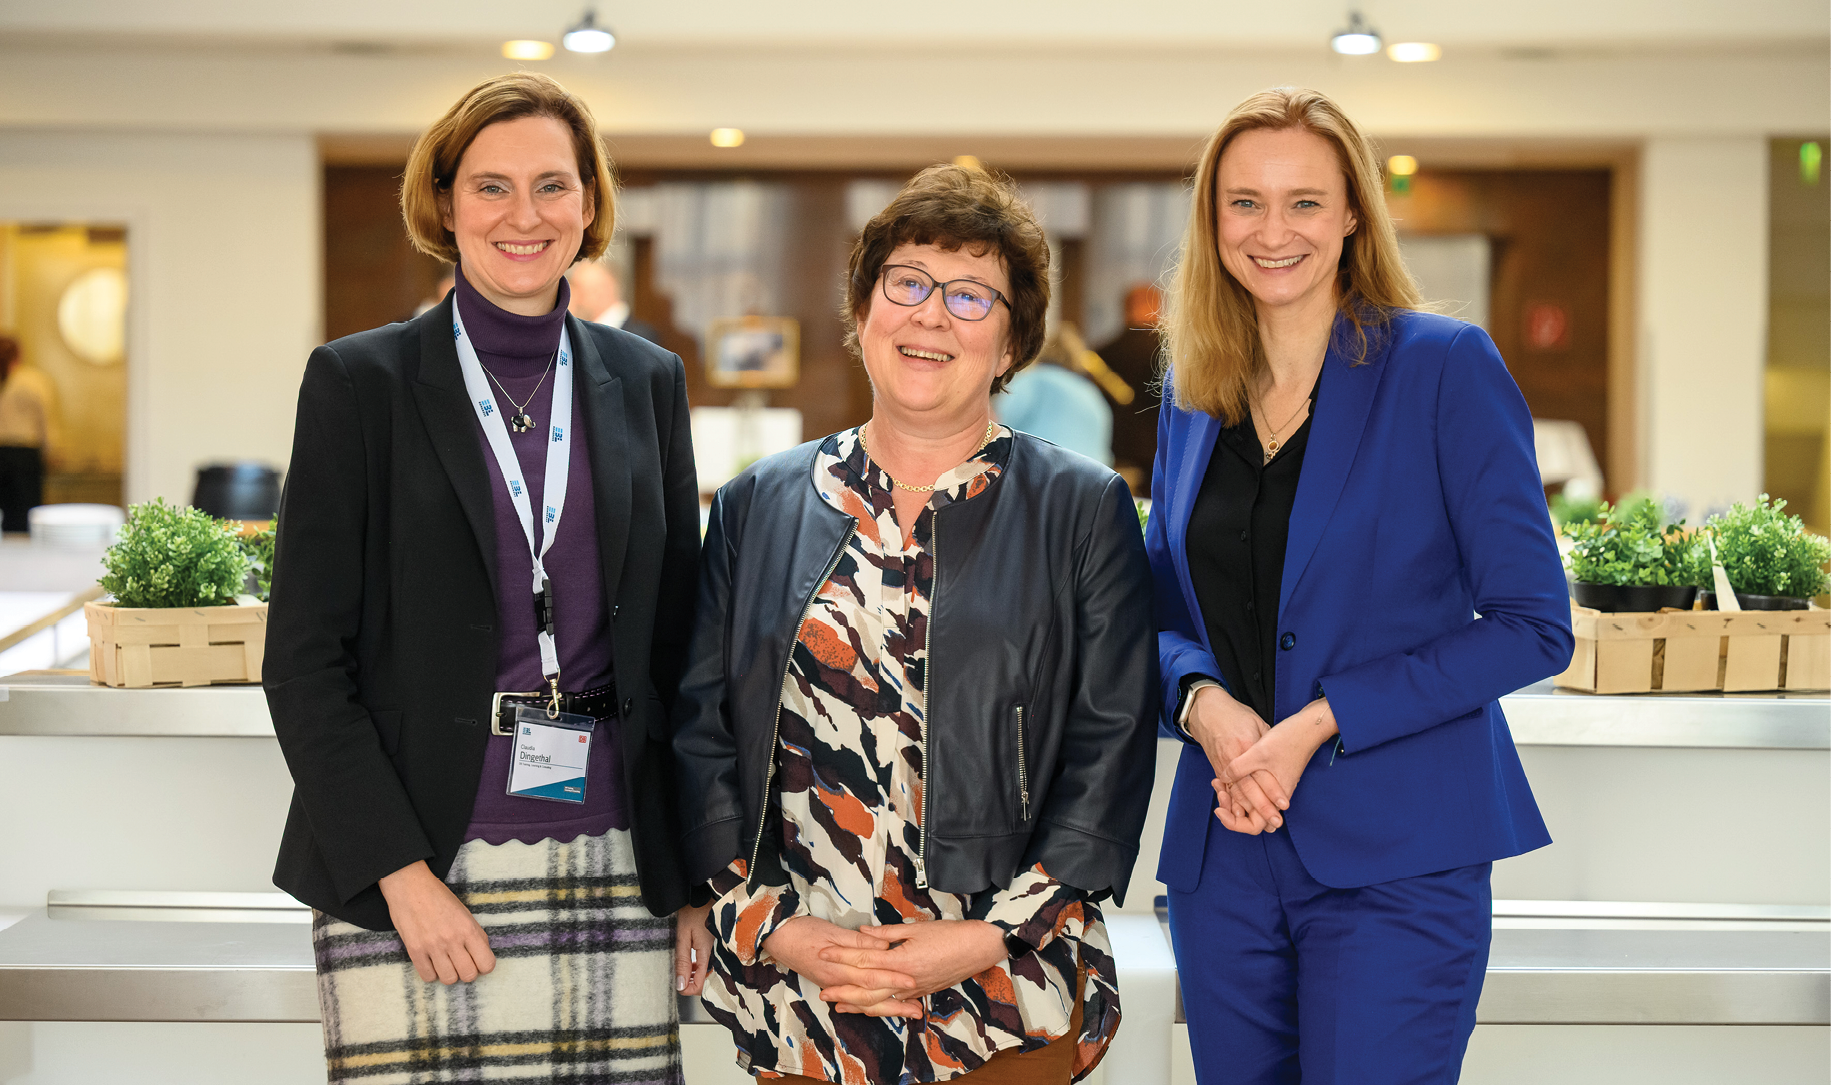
pixel 381 647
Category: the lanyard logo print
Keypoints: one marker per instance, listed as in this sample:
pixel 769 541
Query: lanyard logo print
pixel 559 465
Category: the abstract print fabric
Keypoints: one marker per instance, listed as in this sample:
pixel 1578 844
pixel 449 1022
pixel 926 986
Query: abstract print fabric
pixel 582 992
pixel 850 777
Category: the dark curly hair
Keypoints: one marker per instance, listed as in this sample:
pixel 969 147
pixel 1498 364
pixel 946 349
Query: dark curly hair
pixel 954 207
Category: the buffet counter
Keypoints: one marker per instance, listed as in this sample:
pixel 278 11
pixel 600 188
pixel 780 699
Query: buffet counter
pixel 1653 913
pixel 73 967
pixel 66 703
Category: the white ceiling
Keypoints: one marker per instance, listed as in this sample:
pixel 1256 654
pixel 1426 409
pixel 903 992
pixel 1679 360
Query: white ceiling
pixel 1291 24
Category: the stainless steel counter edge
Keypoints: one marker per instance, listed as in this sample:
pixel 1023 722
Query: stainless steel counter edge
pixel 53 970
pixel 65 704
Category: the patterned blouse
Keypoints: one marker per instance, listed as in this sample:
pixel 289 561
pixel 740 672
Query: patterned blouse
pixel 849 766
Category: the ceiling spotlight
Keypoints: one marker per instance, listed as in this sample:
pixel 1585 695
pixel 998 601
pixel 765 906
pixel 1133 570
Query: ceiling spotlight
pixel 1358 40
pixel 1401 165
pixel 727 137
pixel 1412 52
pixel 588 36
pixel 527 50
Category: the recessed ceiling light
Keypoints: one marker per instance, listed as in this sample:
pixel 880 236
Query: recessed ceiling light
pixel 1401 165
pixel 527 50
pixel 1358 40
pixel 1412 52
pixel 727 137
pixel 588 37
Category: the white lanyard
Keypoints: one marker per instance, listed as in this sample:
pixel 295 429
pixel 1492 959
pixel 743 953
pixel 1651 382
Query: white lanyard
pixel 559 465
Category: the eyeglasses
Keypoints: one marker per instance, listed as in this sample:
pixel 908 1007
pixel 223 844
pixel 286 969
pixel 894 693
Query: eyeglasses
pixel 964 298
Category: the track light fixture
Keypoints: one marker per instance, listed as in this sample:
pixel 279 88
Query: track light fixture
pixel 587 36
pixel 1358 40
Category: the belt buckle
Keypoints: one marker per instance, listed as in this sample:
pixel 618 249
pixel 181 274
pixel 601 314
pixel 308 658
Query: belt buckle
pixel 496 727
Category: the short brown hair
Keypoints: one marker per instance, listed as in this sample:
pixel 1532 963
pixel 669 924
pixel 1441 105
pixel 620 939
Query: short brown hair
pixel 953 207
pixel 433 165
pixel 1211 329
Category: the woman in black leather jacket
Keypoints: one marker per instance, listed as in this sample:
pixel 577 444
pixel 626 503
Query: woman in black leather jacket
pixel 917 726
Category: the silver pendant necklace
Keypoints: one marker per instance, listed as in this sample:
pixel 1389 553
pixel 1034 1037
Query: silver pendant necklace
pixel 521 421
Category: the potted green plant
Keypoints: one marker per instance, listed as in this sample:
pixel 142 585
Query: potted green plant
pixel 258 547
pixel 1567 509
pixel 1631 559
pixel 1773 562
pixel 176 615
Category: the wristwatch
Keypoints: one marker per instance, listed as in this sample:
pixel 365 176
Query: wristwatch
pixel 1188 705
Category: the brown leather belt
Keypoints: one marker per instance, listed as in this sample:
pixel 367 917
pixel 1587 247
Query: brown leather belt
pixel 600 703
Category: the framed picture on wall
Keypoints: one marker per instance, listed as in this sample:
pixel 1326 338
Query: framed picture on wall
pixel 753 352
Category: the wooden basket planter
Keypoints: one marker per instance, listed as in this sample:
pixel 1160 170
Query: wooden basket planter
pixel 1689 651
pixel 137 648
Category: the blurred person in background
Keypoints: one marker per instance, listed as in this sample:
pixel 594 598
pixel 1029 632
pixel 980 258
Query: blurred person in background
pixel 447 282
pixel 1134 355
pixel 597 296
pixel 1354 562
pixel 28 434
pixel 917 726
pixel 1056 400
pixel 433 642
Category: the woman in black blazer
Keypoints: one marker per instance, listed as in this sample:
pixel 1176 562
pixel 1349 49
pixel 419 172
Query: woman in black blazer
pixel 426 697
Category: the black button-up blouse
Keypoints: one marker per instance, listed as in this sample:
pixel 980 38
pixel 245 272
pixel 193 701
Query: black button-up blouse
pixel 1237 532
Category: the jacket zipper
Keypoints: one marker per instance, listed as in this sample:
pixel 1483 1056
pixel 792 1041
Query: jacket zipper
pixel 775 734
pixel 1023 768
pixel 928 683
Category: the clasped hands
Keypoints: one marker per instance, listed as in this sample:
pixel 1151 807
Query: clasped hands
pixel 884 971
pixel 1256 767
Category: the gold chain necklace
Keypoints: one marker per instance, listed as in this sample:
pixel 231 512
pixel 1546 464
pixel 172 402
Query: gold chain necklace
pixel 991 430
pixel 1272 446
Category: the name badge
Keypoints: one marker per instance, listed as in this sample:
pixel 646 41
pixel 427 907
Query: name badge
pixel 550 755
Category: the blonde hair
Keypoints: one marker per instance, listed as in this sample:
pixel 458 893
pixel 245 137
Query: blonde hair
pixel 1210 327
pixel 433 165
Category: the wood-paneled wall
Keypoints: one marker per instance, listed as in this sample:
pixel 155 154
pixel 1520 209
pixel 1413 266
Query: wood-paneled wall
pixel 1550 228
pixel 1551 235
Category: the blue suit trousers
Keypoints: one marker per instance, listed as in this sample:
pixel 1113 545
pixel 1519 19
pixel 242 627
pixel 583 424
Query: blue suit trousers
pixel 1286 980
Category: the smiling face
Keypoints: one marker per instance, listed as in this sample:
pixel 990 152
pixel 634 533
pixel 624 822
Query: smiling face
pixel 519 209
pixel 1281 200
pixel 928 367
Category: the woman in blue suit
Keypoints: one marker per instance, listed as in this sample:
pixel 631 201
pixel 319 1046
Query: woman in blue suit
pixel 1353 561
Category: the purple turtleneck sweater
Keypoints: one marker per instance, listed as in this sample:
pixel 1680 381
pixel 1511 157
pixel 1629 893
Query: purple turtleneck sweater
pixel 516 351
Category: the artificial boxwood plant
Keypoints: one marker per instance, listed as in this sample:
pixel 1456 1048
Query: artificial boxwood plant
pixel 172 556
pixel 259 549
pixel 1767 551
pixel 1632 544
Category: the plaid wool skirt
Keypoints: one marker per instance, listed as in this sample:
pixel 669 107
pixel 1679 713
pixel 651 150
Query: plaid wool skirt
pixel 583 991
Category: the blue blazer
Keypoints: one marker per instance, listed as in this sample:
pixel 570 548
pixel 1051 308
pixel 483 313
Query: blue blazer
pixel 1421 583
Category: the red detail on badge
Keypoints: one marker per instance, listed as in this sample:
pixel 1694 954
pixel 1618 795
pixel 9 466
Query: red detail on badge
pixel 582 738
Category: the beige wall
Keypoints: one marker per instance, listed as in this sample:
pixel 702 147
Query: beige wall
pixel 1166 89
pixel 224 244
pixel 1703 316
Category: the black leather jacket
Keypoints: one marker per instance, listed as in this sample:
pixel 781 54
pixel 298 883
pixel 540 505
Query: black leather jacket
pixel 1042 671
